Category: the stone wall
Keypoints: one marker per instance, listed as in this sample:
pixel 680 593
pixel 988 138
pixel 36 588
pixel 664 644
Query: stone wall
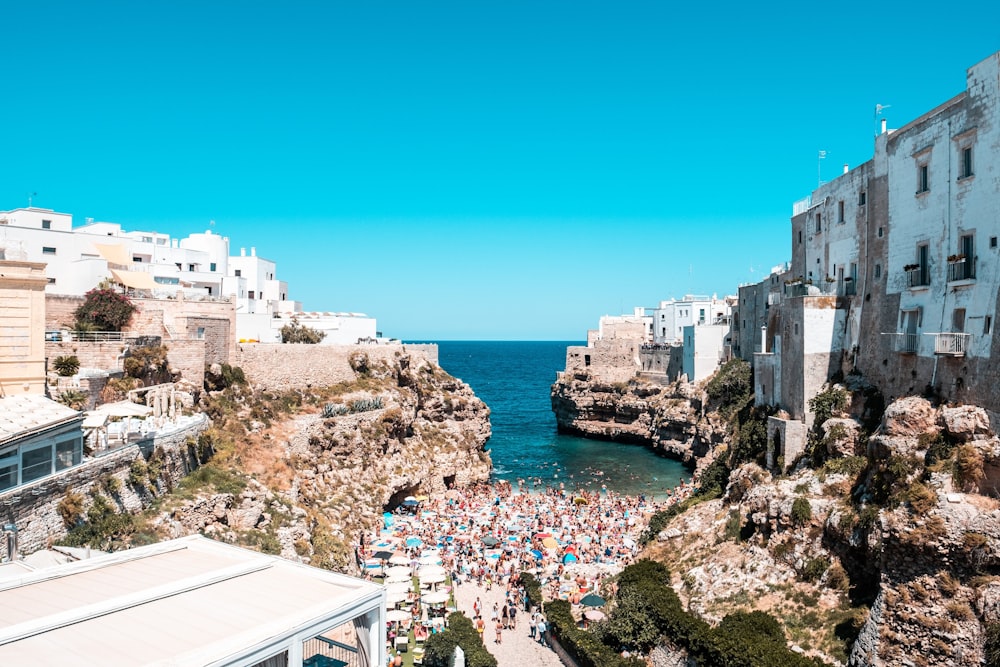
pixel 280 366
pixel 34 508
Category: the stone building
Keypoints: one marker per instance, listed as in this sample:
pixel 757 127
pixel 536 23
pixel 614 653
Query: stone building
pixel 894 269
pixel 22 344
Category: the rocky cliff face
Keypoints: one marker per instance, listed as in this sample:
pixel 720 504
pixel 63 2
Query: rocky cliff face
pixel 895 539
pixel 402 427
pixel 672 419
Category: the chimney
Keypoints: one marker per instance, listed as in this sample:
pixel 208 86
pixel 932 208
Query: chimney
pixel 253 251
pixel 763 339
pixel 845 168
pixel 243 252
pixel 883 126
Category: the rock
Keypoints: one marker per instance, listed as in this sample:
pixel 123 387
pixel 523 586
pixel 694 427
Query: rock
pixel 841 436
pixel 965 422
pixel 909 417
pixel 988 603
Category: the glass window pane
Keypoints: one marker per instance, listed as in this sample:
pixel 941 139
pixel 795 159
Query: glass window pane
pixel 36 463
pixel 8 472
pixel 68 453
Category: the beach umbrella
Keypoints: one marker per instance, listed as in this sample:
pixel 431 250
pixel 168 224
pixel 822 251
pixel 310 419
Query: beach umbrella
pixel 399 586
pixel 413 542
pixel 410 502
pixel 399 558
pixel 382 555
pixel 550 543
pixel 592 600
pixel 395 578
pixel 427 570
pixel 490 541
pixel 399 570
pixel 594 615
pixel 569 558
pixel 433 578
pixel 537 554
pixel 435 598
pixel 430 559
pixel 397 615
pixel 395 597
pixel 542 536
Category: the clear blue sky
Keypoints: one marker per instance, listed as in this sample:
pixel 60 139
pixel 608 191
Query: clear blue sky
pixel 473 169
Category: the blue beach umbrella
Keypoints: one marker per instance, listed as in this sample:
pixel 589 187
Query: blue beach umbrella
pixel 414 542
pixel 537 554
pixel 569 558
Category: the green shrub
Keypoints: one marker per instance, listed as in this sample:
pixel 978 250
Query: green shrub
pixel 824 404
pixel 815 568
pixel 66 366
pixel 801 511
pixel 460 631
pixel 104 310
pixel 293 332
pixel 70 508
pixel 731 386
pixel 74 399
pixel 968 468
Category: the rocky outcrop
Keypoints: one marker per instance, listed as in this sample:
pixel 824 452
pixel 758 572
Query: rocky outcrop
pixel 402 427
pixel 671 419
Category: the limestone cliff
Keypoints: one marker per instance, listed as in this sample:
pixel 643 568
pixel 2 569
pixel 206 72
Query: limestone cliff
pixel 882 550
pixel 325 473
pixel 671 419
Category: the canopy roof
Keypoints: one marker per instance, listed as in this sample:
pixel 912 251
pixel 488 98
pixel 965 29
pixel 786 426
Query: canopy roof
pixel 135 279
pixel 114 253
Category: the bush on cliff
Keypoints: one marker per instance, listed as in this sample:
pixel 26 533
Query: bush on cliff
pixel 293 332
pixel 731 387
pixel 103 310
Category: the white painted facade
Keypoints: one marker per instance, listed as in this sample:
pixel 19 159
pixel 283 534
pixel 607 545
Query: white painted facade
pixel 944 191
pixel 200 265
pixel 672 316
pixel 704 348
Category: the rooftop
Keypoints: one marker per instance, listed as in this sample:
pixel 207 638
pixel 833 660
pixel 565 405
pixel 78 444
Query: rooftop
pixel 190 601
pixel 31 412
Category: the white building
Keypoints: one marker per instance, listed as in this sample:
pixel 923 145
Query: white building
pixel 705 347
pixel 191 601
pixel 670 317
pixel 200 266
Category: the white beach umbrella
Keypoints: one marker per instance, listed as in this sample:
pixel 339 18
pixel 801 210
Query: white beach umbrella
pixel 435 598
pixel 396 615
pixel 398 577
pixel 433 578
pixel 398 570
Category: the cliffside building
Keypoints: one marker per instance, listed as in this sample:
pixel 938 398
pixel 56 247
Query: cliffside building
pixel 156 265
pixel 895 267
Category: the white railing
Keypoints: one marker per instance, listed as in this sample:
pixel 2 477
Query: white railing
pixel 954 344
pixel 802 205
pixel 962 269
pixel 907 343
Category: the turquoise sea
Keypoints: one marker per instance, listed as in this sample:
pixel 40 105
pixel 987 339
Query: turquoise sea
pixel 513 379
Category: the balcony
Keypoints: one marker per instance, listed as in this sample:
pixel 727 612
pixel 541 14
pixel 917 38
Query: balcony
pixel 951 344
pixel 963 268
pixel 917 276
pixel 906 343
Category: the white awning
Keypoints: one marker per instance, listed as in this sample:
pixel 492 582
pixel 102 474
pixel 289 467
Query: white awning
pixel 114 253
pixel 135 279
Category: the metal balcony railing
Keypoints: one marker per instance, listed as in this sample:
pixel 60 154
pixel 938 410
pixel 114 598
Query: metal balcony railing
pixel 962 269
pixel 951 344
pixel 917 277
pixel 906 343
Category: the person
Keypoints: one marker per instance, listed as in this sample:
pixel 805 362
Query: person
pixel 532 621
pixel 499 626
pixel 505 617
pixel 513 617
pixel 480 626
pixel 477 607
pixel 542 628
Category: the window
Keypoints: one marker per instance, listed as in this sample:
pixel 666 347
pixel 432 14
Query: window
pixel 46 224
pixel 988 325
pixel 819 222
pixel 137 259
pixel 47 250
pixel 68 453
pixel 200 335
pixel 878 270
pixel 251 294
pixel 211 267
pixel 36 463
pixel 178 265
pixel 190 267
pixel 161 241
pixel 962 265
pixel 52 281
pixel 147 239
pixel 993 242
pixel 840 211
pixel 800 236
pixel 965 166
pixel 8 472
pixel 862 198
pixel 238 273
pixel 880 232
pixel 923 184
pixel 918 273
pixel 958 320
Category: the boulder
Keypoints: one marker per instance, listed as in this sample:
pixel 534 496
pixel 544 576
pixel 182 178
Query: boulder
pixel 909 417
pixel 965 422
pixel 841 436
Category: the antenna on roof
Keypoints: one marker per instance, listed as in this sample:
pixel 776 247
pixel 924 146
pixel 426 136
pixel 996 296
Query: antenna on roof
pixel 33 194
pixel 878 110
pixel 819 163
